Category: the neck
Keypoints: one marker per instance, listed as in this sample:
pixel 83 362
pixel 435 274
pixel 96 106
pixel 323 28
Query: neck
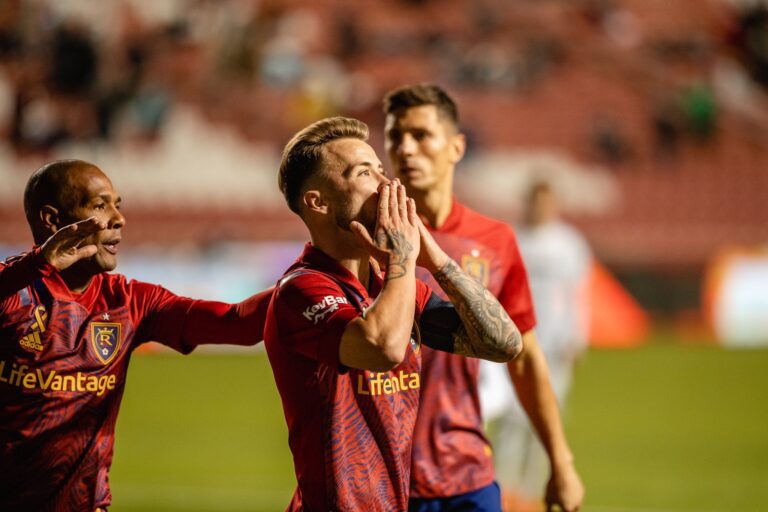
pixel 347 253
pixel 434 204
pixel 76 280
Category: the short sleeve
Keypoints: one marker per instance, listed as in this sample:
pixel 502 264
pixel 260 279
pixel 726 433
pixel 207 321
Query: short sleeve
pixel 515 294
pixel 312 312
pixel 423 293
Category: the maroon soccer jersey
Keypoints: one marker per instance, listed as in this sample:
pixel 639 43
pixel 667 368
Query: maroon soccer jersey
pixel 63 363
pixel 349 430
pixel 451 455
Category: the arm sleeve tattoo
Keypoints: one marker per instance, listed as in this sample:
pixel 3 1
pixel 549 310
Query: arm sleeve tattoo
pixel 486 331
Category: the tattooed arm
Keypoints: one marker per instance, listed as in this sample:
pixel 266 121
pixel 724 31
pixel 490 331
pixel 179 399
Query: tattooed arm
pixel 485 330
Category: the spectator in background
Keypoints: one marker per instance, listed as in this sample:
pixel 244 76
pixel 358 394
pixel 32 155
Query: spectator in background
pixel 558 260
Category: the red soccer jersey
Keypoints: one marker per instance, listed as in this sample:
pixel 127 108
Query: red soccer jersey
pixel 451 455
pixel 63 363
pixel 349 430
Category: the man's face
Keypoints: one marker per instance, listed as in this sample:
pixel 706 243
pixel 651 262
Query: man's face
pixel 91 194
pixel 422 146
pixel 353 174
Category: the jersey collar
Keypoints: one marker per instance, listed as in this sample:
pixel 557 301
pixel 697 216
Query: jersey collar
pixel 454 218
pixel 315 258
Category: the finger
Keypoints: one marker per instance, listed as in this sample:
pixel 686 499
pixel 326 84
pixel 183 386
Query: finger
pixel 393 202
pixel 413 217
pixel 384 203
pixel 402 200
pixel 364 237
pixel 91 225
pixel 79 230
pixel 86 251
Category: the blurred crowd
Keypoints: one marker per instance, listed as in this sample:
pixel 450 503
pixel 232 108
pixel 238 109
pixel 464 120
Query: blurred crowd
pixel 266 67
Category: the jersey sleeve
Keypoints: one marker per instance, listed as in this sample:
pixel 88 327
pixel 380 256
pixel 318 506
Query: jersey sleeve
pixel 423 295
pixel 312 312
pixel 515 294
pixel 438 322
pixel 20 272
pixel 183 323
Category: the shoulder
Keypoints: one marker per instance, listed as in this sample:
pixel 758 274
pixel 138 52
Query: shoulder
pixel 119 284
pixel 301 280
pixel 487 224
pixel 304 287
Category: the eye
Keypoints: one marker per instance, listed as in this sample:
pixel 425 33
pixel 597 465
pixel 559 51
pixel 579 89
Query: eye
pixel 100 206
pixel 364 172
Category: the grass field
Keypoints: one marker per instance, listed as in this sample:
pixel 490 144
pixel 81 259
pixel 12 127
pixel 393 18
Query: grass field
pixel 664 428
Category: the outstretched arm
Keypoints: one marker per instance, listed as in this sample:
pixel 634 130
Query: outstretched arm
pixel 486 331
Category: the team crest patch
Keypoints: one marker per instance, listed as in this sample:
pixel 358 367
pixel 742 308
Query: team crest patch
pixel 34 340
pixel 477 268
pixel 105 339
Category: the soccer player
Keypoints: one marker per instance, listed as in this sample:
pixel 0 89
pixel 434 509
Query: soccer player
pixel 558 260
pixel 67 331
pixel 452 467
pixel 343 341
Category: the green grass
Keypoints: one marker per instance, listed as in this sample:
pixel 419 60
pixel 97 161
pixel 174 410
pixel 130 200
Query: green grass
pixel 660 429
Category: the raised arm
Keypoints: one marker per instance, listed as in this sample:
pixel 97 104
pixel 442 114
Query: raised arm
pixel 60 251
pixel 378 339
pixel 486 331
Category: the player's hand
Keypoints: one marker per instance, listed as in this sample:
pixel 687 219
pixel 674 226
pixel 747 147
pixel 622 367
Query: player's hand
pixel 68 245
pixel 395 240
pixel 565 492
pixel 431 256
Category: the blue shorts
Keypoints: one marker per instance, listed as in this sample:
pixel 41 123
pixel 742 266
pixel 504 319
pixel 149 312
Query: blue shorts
pixel 486 499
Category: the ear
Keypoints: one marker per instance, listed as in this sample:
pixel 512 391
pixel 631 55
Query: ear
pixel 459 146
pixel 49 218
pixel 314 202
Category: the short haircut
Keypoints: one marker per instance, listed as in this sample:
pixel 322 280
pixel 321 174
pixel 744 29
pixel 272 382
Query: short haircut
pixel 420 95
pixel 50 185
pixel 303 154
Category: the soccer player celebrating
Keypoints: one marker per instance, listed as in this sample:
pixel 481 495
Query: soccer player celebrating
pixel 342 341
pixel 452 467
pixel 67 331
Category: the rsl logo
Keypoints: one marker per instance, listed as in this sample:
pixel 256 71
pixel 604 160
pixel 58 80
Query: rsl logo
pixel 477 267
pixel 105 339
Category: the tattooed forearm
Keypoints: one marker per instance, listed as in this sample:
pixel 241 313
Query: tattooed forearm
pixel 487 331
pixel 400 250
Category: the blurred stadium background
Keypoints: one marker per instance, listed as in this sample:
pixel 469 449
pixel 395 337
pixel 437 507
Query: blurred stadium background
pixel 649 117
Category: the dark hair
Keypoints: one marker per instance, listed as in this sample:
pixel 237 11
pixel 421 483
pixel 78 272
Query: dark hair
pixel 419 95
pixel 304 153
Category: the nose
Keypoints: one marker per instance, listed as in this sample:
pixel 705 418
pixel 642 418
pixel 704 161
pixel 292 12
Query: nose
pixel 407 145
pixel 116 219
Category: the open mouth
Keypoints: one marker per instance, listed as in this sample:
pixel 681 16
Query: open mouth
pixel 111 245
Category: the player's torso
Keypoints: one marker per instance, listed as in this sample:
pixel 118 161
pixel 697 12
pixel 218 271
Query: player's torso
pixel 350 430
pixel 371 422
pixel 362 423
pixel 62 370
